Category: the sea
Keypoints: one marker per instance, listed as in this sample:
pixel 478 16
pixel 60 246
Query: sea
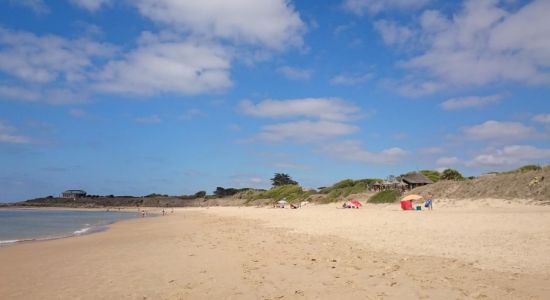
pixel 22 225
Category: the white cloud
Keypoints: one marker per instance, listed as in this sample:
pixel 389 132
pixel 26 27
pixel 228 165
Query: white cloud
pixel 447 161
pixel 190 114
pixel 249 181
pixel 352 150
pixel 356 79
pixel 482 44
pixel 47 58
pixel 305 131
pixel 330 109
pixel 468 102
pixel 393 33
pixel 168 67
pixel 432 150
pixel 271 23
pixel 359 7
pixel 18 93
pixel 295 73
pixel 91 5
pixel 8 134
pixel 78 113
pixel 56 96
pixel 514 155
pixel 542 118
pixel 152 119
pixel 501 131
pixel 38 6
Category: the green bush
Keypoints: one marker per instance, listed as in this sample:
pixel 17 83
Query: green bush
pixel 290 192
pixel 451 174
pixel 345 188
pixel 389 196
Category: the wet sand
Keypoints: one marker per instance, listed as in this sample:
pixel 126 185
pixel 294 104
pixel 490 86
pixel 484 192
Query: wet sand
pixel 316 252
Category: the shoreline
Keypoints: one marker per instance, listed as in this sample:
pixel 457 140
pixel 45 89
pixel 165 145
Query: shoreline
pixel 86 230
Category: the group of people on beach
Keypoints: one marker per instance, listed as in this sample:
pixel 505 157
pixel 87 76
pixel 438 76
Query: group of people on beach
pixel 164 212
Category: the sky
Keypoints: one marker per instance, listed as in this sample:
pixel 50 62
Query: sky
pixel 174 97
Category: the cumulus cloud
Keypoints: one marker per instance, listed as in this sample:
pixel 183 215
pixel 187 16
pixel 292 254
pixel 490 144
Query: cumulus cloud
pixel 481 44
pixel 330 109
pixel 191 54
pixel 514 155
pixel 499 131
pixel 271 23
pixel 353 150
pixel 353 79
pixel 38 6
pixel 359 7
pixel 305 131
pixel 168 67
pixel 295 73
pixel 18 93
pixel 393 33
pixel 56 96
pixel 470 102
pixel 9 135
pixel 447 161
pixel 47 58
pixel 542 118
pixel 91 5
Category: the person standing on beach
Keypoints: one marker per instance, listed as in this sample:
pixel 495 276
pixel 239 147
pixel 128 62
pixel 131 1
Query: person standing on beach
pixel 429 202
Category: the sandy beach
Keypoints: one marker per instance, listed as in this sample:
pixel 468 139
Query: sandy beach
pixel 457 251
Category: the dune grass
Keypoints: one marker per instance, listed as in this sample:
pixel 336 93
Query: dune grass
pixel 291 193
pixel 389 196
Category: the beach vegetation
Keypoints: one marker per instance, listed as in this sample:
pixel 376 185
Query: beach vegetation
pixel 527 168
pixel 221 192
pixel 280 179
pixel 433 175
pixel 451 174
pixel 289 192
pixel 389 196
pixel 200 194
pixel 347 187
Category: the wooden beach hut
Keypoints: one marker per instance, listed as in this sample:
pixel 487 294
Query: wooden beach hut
pixel 415 180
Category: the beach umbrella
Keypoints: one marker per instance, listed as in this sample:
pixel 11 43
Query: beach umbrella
pixel 412 197
pixel 356 203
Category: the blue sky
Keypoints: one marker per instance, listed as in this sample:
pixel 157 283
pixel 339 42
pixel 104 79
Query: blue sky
pixel 168 96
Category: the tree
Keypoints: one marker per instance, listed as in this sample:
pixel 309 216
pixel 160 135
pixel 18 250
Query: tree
pixel 451 174
pixel 280 179
pixel 200 194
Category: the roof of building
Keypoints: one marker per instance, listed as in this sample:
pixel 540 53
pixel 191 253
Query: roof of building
pixel 74 192
pixel 417 178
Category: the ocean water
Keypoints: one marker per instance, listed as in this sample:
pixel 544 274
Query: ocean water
pixel 18 225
